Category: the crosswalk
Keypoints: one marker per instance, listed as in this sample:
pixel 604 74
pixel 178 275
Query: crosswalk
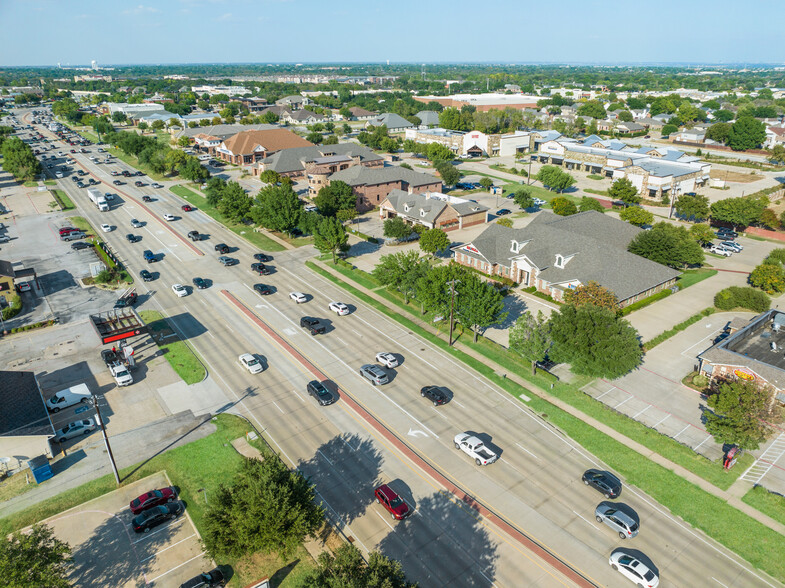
pixel 765 462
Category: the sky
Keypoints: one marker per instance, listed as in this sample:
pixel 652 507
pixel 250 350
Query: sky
pixel 74 32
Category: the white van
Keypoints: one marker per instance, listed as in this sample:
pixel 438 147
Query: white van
pixel 69 397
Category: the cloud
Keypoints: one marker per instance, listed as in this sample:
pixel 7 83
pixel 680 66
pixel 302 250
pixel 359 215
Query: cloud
pixel 141 9
pixel 225 17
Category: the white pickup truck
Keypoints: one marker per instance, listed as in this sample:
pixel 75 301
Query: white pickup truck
pixel 475 449
pixel 121 374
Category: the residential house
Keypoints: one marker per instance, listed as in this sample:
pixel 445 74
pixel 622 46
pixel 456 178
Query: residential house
pixel 253 103
pixel 694 135
pixel 358 113
pixel 248 147
pixel 555 254
pixel 303 117
pixel 639 113
pixel 25 426
pixel 606 125
pixel 395 123
pixel 294 102
pixel 628 128
pixel 373 185
pixel 428 118
pixel 774 136
pixel 209 138
pixel 433 210
pixel 651 123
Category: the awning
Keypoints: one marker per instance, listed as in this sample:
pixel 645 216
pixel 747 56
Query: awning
pixel 557 157
pixel 573 161
pixel 608 168
pixel 706 177
pixel 665 188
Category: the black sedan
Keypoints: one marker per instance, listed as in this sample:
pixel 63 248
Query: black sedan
pixel 209 579
pixel 80 245
pixel 200 283
pixel 435 394
pixel 117 183
pixel 319 391
pixel 262 257
pixel 222 248
pixel 157 515
pixel 263 289
pixel 131 238
pixel 260 268
pixel 604 482
pixel 146 276
pixel 503 211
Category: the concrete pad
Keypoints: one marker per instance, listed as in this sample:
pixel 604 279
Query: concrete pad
pixel 201 398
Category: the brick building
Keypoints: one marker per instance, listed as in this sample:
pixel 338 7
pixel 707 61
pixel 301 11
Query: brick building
pixel 433 210
pixel 248 147
pixel 372 185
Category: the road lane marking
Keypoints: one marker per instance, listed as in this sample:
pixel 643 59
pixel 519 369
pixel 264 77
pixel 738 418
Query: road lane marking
pixel 588 521
pixel 385 521
pixel 300 397
pixel 527 451
pixel 278 407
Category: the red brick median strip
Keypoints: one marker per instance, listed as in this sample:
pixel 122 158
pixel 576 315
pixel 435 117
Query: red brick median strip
pixel 471 502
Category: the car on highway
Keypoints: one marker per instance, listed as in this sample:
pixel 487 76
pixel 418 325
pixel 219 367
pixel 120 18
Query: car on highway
pixel 106 228
pixel 249 362
pixel 339 308
pixel 146 276
pixel 117 183
pixel 136 224
pixel 374 374
pixel 387 359
pixel 80 245
pixel 187 208
pixel 298 297
pixel 633 569
pixel 147 198
pixel 153 498
pixel 80 184
pixel 435 394
pixel 214 577
pixel 131 238
pixel 262 257
pixel 115 173
pixel 139 184
pixel 221 248
pixel 313 325
pixel 156 515
pixel 149 256
pixel 260 268
pixel 194 235
pixel 263 289
pixel 156 185
pixel 180 290
pixel 227 261
pixel 200 283
pixel 473 446
pixel 392 502
pixel 604 482
pixel 169 217
pixel 74 429
pixel 320 392
pixel 617 520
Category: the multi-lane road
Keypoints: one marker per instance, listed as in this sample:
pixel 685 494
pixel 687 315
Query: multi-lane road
pixel 403 440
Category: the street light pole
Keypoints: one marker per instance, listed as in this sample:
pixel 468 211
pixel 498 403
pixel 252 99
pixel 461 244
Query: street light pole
pixel 452 306
pixel 106 440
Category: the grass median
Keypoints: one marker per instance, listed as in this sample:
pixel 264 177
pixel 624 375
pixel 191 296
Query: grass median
pixel 753 541
pixel 255 238
pixel 180 356
pixel 63 200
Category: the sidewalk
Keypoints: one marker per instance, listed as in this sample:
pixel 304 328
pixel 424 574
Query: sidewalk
pixel 731 498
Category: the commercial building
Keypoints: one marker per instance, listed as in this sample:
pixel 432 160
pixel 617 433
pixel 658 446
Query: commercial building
pixel 228 90
pixel 473 143
pixel 25 427
pixel 483 102
pixel 248 147
pixel 433 210
pixel 395 123
pixel 373 185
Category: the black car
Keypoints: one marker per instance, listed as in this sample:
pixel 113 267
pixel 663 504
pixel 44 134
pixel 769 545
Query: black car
pixel 149 256
pixel 725 237
pixel 92 181
pixel 503 211
pixel 109 357
pixel 222 248
pixel 131 238
pixel 604 482
pixel 206 580
pixel 138 184
pixel 80 245
pixel 263 289
pixel 80 185
pixel 117 183
pixel 260 269
pixel 194 236
pixel 262 257
pixel 147 199
pixel 157 515
pixel 435 394
pixel 139 173
pixel 126 173
pixel 320 392
pixel 146 276
pixel 312 325
pixel 200 283
pixel 724 231
pixel 721 337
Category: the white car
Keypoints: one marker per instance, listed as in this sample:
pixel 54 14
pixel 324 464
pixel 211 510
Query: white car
pixel 539 201
pixel 106 228
pixel 169 217
pixel 250 363
pixel 180 290
pixel 58 174
pixel 298 297
pixel 633 569
pixel 74 429
pixel 387 359
pixel 721 251
pixel 339 308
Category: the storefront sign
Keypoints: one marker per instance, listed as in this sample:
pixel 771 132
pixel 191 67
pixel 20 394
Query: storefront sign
pixel 743 375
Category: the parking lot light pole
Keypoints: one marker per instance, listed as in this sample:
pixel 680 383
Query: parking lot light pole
pixel 106 440
pixel 452 306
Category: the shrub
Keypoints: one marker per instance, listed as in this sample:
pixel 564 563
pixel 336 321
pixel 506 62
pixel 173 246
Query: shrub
pixel 742 297
pixel 700 380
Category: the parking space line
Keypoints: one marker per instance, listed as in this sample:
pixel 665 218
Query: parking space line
pixel 662 420
pixel 348 444
pixel 176 567
pixel 325 457
pixel 146 535
pixel 640 412
pixel 623 401
pixel 701 443
pixel 680 432
pixel 178 543
pixel 604 393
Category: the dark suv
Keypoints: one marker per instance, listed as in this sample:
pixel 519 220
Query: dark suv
pixel 604 482
pixel 312 325
pixel 319 391
pixel 157 515
pixel 206 579
pixel 222 248
pixel 435 394
pixel 260 268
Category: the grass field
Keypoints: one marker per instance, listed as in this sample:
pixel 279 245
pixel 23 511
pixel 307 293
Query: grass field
pixel 63 199
pixel 180 356
pixel 259 240
pixel 692 277
pixel 768 503
pixel 16 485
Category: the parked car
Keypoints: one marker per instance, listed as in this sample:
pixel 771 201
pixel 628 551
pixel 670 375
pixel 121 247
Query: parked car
pixel 619 521
pixel 156 515
pixel 312 325
pixel 435 394
pixel 180 290
pixel 391 502
pixel 263 289
pixel 74 429
pixel 298 297
pixel 719 250
pixel 604 482
pixel 320 392
pixel 250 363
pixel 387 359
pixel 374 374
pixel 633 569
pixel 503 211
pixel 80 245
pixel 732 245
pixel 209 579
pixel 153 498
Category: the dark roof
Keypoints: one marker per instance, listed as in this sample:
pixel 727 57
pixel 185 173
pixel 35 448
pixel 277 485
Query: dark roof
pixel 23 410
pixel 290 160
pixel 7 269
pixel 359 175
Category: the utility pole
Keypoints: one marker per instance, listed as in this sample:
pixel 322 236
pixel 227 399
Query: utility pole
pixel 106 440
pixel 452 306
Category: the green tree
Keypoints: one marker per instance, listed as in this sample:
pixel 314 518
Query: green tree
pixel 625 116
pixel 434 240
pixel 624 191
pixel 35 558
pixel 694 208
pixel 486 182
pixel 592 108
pixel 739 212
pixel 768 218
pixel 504 221
pixel 448 172
pixel 269 176
pixel 183 141
pixel 401 271
pixel 563 206
pixel 157 125
pixel 522 196
pixel 214 190
pixel 530 337
pixel 118 117
pixel 173 159
pixel 19 159
pixel 193 170
pixel 346 214
pixel 589 203
pixel 433 288
pixel 396 228
pixel 335 196
pixel 594 341
pixel 739 413
pixel 478 304
pixel 746 133
pixel 330 236
pixel 702 233
pixel 723 115
pixel 718 132
pixel 669 129
pixel 554 178
pixel 776 256
pixel 777 153
pixel 142 126
pixel 439 152
pixel 592 293
pixel 315 138
pixel 346 568
pixel 235 203
pixel 277 207
pixel 266 508
pixel 768 277
pixel 667 244
pixel 635 215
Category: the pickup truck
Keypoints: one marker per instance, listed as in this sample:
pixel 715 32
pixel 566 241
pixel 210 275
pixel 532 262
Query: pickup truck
pixel 475 449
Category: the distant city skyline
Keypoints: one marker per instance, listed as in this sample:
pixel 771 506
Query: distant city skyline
pixel 581 32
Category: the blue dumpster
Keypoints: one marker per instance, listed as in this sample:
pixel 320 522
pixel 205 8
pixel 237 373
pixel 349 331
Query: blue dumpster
pixel 41 469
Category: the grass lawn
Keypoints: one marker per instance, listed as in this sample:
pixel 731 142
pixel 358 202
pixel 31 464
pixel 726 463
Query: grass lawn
pixel 692 277
pixel 16 485
pixel 744 535
pixel 255 238
pixel 30 184
pixel 768 503
pixel 83 225
pixel 134 162
pixel 63 199
pixel 597 192
pixel 296 241
pixel 595 177
pixel 50 183
pixel 180 356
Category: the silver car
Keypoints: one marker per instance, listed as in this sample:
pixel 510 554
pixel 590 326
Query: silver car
pixel 617 520
pixel 75 429
pixel 374 374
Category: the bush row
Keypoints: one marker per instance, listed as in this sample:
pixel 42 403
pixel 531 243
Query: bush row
pixel 742 297
pixel 645 302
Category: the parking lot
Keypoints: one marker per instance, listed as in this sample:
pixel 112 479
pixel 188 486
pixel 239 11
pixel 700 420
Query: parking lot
pixel 107 551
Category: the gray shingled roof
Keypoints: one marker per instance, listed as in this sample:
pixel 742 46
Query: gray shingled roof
pixel 291 160
pixel 24 412
pixel 359 175
pixel 426 208
pixel 391 121
pixel 224 131
pixel 428 117
pixel 597 243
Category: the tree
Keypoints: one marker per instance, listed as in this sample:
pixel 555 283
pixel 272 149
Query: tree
pixel 157 125
pixel 269 176
pixel 433 288
pixel 740 411
pixel 769 277
pixel 277 207
pixel 667 244
pixel 235 203
pixel 635 215
pixel 589 203
pixel 692 207
pixel 434 240
pixel 401 271
pixel 35 558
pixel 346 568
pixel 118 117
pixel 723 115
pixel 777 153
pixel 438 152
pixel 486 182
pixel 478 305
pixel 183 141
pixel 768 218
pixel 554 178
pixel 193 170
pixel 346 214
pixel 625 116
pixel 19 159
pixel 504 221
pixel 396 228
pixel 669 129
pixel 173 159
pixel 330 236
pixel 702 233
pixel 594 341
pixel 522 196
pixel 335 196
pixel 314 138
pixel 592 293
pixel 214 190
pixel 739 212
pixel 530 337
pixel 718 132
pixel 563 206
pixel 448 172
pixel 592 108
pixel 142 126
pixel 266 508
pixel 624 191
pixel 746 133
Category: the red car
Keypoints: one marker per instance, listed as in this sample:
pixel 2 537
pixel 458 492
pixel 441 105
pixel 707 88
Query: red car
pixel 392 502
pixel 153 498
pixel 73 150
pixel 67 230
pixel 188 208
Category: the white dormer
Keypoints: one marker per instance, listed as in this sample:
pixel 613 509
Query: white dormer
pixel 515 246
pixel 562 260
pixel 406 207
pixel 422 212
